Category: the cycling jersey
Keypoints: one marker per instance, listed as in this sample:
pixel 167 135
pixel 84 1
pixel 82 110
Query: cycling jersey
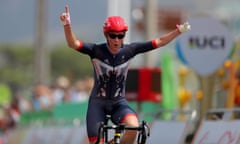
pixel 110 73
pixel 110 70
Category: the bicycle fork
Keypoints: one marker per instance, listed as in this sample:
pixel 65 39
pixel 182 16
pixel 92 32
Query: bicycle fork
pixel 117 133
pixel 143 134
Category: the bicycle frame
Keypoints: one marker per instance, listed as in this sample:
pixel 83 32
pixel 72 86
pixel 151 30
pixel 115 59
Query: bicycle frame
pixel 143 129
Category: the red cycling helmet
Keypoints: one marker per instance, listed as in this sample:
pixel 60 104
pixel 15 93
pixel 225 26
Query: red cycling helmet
pixel 114 23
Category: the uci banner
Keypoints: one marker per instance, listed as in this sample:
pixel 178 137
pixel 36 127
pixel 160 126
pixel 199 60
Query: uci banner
pixel 206 46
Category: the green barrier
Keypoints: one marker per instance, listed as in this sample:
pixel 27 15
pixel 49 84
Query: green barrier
pixel 66 113
pixel 148 110
pixel 145 109
pixel 149 107
pixel 63 113
pixel 70 110
pixel 28 117
pixel 133 105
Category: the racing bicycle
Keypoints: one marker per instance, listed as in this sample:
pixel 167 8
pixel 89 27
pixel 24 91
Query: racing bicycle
pixel 104 128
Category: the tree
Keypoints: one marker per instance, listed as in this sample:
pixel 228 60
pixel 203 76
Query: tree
pixel 16 65
pixel 68 62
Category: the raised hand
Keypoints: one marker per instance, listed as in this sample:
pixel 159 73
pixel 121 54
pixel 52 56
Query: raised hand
pixel 184 27
pixel 65 17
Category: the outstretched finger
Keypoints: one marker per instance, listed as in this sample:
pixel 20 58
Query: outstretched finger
pixel 67 9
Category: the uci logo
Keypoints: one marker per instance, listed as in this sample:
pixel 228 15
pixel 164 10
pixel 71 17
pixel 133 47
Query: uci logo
pixel 206 46
pixel 214 42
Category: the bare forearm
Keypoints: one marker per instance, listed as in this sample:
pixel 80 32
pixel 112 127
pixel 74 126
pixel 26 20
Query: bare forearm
pixel 70 37
pixel 167 38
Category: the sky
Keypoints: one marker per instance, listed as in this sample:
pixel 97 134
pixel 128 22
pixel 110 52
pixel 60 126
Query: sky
pixel 18 17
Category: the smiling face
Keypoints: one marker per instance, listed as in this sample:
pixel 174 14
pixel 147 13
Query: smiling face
pixel 115 40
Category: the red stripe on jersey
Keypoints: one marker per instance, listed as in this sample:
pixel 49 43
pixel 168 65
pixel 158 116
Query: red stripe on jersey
pixel 154 43
pixel 94 139
pixel 80 46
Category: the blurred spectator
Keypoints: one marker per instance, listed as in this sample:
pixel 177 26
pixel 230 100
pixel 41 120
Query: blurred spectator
pixel 42 98
pixel 80 93
pixel 9 118
pixel 8 121
pixel 89 82
pixel 14 109
pixel 24 104
pixel 59 89
pixel 67 96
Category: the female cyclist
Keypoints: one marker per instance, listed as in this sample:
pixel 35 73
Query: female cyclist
pixel 110 61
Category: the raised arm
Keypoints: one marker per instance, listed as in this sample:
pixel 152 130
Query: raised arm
pixel 165 39
pixel 71 39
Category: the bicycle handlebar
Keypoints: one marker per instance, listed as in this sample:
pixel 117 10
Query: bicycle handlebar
pixel 121 127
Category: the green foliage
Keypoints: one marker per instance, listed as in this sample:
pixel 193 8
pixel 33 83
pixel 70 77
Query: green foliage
pixel 68 62
pixel 17 64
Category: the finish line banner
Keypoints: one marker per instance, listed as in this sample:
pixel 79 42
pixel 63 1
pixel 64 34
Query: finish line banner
pixel 218 132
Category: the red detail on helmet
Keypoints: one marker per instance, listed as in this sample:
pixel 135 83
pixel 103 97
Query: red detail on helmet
pixel 114 23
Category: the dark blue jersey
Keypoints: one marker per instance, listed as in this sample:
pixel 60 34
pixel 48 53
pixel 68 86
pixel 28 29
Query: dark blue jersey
pixel 110 70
